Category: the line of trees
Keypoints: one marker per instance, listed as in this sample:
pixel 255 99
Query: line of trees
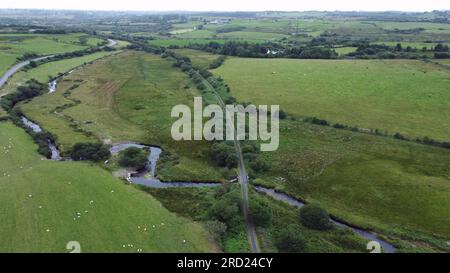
pixel 32 89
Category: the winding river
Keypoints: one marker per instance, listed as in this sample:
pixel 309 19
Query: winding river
pixel 387 247
pixel 37 129
pixel 148 177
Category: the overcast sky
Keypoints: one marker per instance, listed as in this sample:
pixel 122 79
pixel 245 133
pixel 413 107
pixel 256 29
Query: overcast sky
pixel 231 5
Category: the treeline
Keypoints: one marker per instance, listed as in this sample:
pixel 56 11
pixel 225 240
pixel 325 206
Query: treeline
pixel 67 55
pixel 382 51
pixel 32 89
pixel 266 50
pixel 425 140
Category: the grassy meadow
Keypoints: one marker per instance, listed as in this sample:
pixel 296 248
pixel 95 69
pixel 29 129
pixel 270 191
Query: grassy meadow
pixel 114 100
pixel 15 45
pixel 408 97
pixel 46 204
pixel 46 71
pixel 397 187
pixel 199 59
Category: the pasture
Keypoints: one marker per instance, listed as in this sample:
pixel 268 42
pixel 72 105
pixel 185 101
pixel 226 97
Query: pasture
pixel 126 97
pixel 13 46
pixel 198 58
pixel 408 97
pixel 398 188
pixel 47 71
pixel 46 204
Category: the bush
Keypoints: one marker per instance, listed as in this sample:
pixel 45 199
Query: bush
pixel 225 155
pixel 317 121
pixel 31 90
pixel 282 114
pixel 133 158
pixel 226 211
pixel 90 151
pixel 259 165
pixel 290 240
pixel 260 211
pixel 315 217
pixel 216 228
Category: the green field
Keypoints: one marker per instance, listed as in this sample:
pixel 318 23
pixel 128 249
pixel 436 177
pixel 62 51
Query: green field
pixel 15 45
pixel 252 36
pixel 198 58
pixel 117 98
pixel 399 188
pixel 40 201
pixel 409 97
pixel 345 50
pixel 49 70
pixel 183 42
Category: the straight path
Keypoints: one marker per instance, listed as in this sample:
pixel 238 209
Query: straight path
pixel 243 179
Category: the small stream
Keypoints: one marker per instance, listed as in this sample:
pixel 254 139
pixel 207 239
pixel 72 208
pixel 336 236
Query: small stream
pixel 387 247
pixel 52 86
pixel 148 176
pixel 37 129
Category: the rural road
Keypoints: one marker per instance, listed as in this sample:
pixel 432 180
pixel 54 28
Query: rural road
pixel 13 70
pixel 243 179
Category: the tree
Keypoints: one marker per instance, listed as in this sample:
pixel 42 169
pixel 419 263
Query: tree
pixel 133 158
pixel 260 211
pixel 441 48
pixel 226 211
pixel 315 217
pixel 90 151
pixel 290 240
pixel 225 155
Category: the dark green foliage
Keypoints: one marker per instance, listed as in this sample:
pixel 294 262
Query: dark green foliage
pixel 317 121
pixel 133 158
pixel 290 240
pixel 217 63
pixel 225 154
pixel 259 165
pixel 90 151
pixel 261 212
pixel 441 48
pixel 315 217
pixel 32 89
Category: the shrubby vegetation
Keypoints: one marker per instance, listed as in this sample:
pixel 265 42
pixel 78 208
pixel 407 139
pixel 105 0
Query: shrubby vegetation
pixel 133 158
pixel 261 212
pixel 314 217
pixel 32 89
pixel 225 154
pixel 90 151
pixel 290 240
pixel 266 50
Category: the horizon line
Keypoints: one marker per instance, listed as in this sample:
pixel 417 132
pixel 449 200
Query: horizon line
pixel 228 11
